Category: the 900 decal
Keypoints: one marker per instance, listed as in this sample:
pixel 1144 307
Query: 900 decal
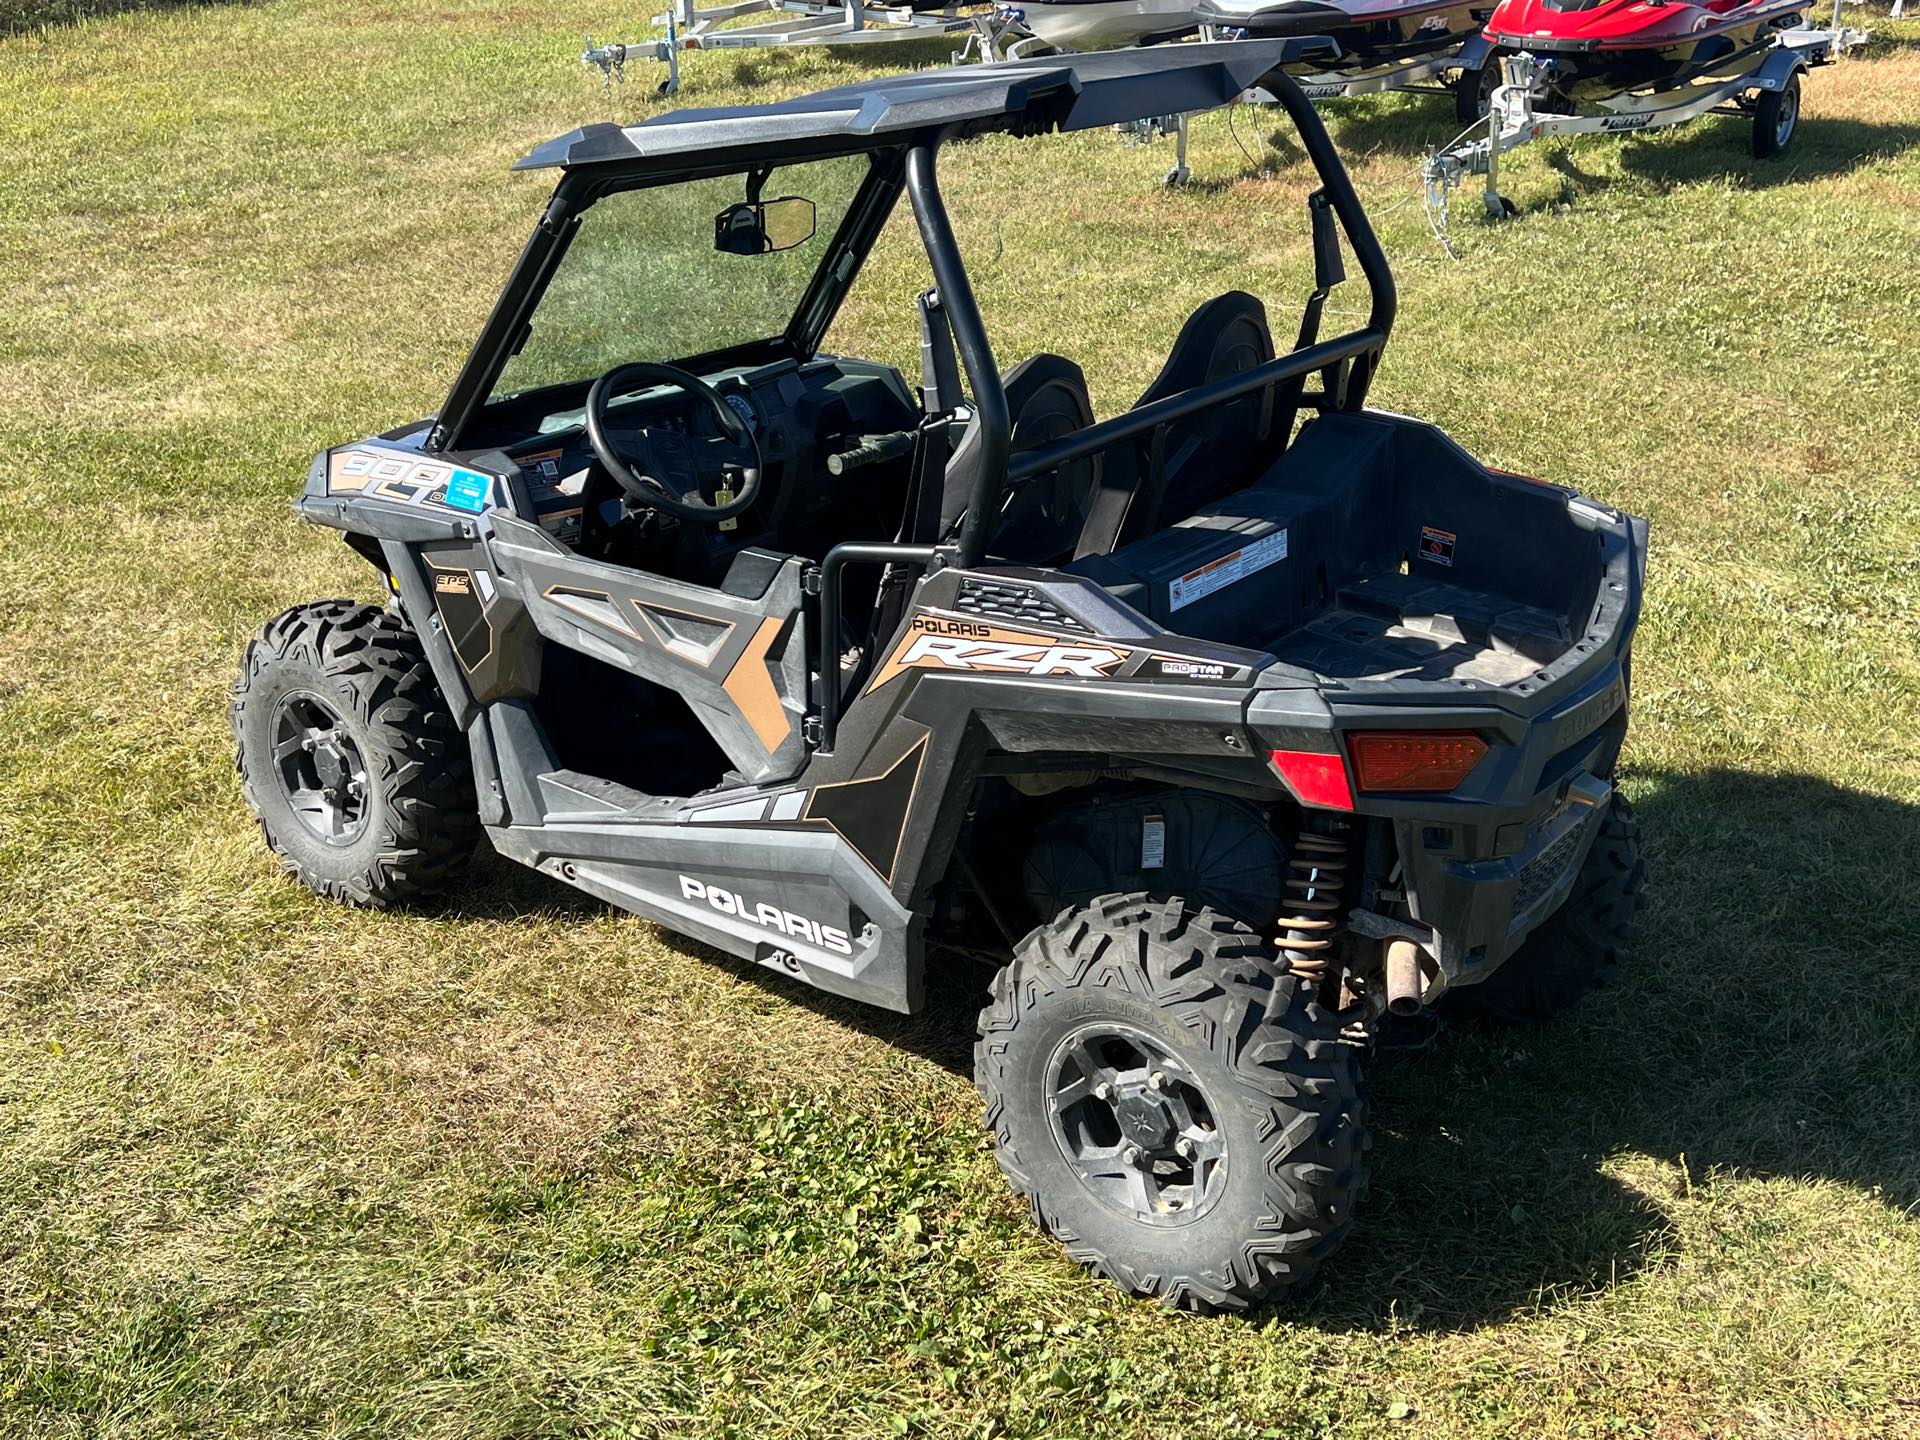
pixel 385 475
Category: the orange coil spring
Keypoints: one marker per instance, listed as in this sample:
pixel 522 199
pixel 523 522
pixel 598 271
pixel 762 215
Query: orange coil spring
pixel 1311 920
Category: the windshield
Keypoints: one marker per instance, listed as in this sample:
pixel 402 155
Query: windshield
pixel 642 279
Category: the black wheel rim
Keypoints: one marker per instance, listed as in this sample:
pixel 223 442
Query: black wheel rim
pixel 322 774
pixel 1135 1125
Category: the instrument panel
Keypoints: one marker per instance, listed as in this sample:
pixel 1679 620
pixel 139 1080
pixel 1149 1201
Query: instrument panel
pixel 799 415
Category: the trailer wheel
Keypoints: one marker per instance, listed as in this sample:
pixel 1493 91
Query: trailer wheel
pixel 348 757
pixel 1176 1107
pixel 1775 115
pixel 1578 949
pixel 1473 91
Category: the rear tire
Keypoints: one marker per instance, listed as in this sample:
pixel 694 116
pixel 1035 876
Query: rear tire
pixel 1581 946
pixel 1776 115
pixel 1252 1076
pixel 349 758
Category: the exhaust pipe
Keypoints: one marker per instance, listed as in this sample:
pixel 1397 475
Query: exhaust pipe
pixel 1406 977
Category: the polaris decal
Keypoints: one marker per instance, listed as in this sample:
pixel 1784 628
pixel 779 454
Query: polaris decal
pixel 798 927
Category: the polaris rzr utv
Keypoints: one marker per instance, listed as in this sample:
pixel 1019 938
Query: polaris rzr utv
pixel 1222 728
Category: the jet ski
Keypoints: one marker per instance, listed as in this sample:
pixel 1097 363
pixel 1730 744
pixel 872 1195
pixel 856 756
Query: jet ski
pixel 1368 32
pixel 1594 48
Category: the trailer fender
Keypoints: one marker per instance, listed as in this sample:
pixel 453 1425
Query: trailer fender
pixel 1474 54
pixel 1781 65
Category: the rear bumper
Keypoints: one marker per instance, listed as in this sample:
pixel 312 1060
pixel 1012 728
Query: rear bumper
pixel 1480 910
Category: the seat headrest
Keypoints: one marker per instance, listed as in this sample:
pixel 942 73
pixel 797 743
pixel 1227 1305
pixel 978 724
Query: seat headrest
pixel 1224 336
pixel 1046 397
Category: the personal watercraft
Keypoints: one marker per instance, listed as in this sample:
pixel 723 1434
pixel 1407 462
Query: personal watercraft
pixel 1593 48
pixel 1369 32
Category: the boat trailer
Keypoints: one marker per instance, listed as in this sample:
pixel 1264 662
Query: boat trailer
pixel 1332 83
pixel 1767 90
pixel 797 22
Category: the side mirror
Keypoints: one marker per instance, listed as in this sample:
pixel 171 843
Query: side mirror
pixel 761 227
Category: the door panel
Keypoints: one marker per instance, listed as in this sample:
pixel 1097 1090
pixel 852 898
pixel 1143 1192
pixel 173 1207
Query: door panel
pixel 740 662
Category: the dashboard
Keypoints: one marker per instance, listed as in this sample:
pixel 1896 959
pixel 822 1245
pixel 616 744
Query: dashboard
pixel 800 414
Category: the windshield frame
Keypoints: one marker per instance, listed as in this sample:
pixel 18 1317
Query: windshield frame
pixel 471 397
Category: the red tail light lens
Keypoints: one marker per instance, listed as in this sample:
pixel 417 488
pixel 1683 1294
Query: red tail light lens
pixel 1320 780
pixel 1405 760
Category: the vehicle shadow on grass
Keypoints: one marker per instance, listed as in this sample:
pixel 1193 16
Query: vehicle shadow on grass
pixel 1770 1027
pixel 1822 149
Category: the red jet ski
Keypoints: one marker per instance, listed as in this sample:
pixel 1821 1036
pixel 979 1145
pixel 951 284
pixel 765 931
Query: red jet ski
pixel 1609 47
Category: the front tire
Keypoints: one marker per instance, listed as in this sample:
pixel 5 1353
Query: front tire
pixel 348 757
pixel 1581 946
pixel 1176 1107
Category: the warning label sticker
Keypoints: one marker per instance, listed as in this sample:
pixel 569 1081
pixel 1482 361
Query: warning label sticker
pixel 1153 842
pixel 1227 570
pixel 1436 545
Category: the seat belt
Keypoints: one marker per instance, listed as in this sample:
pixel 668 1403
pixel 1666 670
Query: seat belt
pixel 1329 270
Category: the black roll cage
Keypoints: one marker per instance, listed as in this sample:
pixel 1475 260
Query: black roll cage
pixel 1345 364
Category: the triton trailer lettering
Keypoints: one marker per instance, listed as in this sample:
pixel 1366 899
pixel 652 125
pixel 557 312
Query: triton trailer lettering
pixel 793 654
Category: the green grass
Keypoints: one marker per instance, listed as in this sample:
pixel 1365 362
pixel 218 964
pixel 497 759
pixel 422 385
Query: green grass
pixel 529 1168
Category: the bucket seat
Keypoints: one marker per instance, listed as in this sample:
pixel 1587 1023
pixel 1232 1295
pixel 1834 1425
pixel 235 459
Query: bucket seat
pixel 1173 471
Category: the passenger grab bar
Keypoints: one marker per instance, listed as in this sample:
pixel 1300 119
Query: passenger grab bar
pixel 1095 438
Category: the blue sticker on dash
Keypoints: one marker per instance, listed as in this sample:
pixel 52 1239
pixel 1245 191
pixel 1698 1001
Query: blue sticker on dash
pixel 469 490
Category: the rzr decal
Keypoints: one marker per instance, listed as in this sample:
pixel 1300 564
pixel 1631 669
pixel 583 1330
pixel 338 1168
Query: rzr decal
pixel 932 642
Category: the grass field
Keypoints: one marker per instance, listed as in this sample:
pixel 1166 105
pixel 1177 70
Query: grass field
pixel 527 1168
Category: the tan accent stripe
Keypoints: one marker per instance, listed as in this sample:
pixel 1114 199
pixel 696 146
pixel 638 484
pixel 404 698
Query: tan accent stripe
pixel 916 753
pixel 749 685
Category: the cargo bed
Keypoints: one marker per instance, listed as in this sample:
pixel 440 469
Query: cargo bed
pixel 1375 551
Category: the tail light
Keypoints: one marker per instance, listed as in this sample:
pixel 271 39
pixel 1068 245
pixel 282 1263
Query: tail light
pixel 1403 760
pixel 1318 778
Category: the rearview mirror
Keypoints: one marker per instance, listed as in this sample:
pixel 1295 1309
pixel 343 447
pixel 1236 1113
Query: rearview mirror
pixel 760 227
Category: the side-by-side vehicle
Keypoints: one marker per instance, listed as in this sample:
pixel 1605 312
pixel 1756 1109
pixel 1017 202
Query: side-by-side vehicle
pixel 1221 727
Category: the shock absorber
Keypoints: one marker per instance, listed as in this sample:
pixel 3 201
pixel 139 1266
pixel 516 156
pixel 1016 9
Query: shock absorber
pixel 1310 919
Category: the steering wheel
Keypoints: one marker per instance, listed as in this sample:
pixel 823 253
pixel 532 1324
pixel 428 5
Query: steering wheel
pixel 672 480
